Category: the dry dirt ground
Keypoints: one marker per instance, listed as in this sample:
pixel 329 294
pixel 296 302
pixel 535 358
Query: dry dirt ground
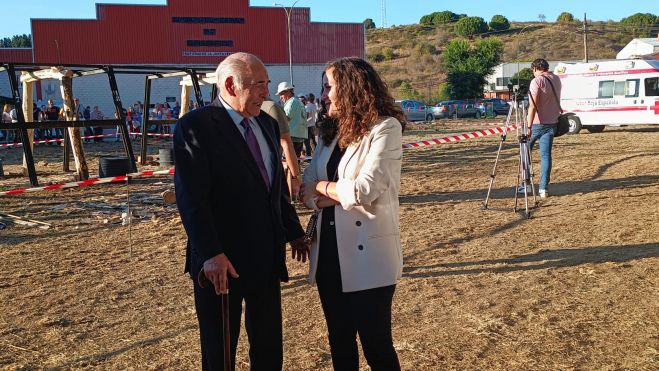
pixel 573 288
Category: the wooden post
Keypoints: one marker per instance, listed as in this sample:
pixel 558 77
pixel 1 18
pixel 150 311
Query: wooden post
pixel 28 110
pixel 82 172
pixel 185 100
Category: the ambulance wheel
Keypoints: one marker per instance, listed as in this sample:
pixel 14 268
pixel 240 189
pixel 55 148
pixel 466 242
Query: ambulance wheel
pixel 595 128
pixel 575 125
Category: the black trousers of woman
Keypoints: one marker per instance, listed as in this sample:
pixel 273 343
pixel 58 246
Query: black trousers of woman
pixel 367 312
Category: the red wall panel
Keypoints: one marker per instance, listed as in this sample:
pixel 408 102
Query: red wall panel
pixel 16 55
pixel 146 34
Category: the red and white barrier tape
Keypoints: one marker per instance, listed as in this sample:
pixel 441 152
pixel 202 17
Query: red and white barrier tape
pixel 116 179
pixel 455 138
pixel 56 140
pixel 155 135
pixel 150 173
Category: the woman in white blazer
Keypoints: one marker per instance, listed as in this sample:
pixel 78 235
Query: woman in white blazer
pixel 353 182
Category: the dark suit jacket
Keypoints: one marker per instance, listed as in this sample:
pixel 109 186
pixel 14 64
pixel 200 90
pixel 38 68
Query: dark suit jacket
pixel 222 199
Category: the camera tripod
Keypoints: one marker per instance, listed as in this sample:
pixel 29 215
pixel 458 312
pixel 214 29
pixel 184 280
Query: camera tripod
pixel 525 168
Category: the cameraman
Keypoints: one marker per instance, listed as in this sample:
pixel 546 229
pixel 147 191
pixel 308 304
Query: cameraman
pixel 544 109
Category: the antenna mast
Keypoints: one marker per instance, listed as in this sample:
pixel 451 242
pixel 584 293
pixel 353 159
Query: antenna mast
pixel 383 21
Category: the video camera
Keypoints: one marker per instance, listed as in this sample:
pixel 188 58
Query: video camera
pixel 518 91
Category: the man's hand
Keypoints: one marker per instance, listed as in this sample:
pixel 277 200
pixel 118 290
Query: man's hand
pixel 216 269
pixel 300 249
pixel 295 187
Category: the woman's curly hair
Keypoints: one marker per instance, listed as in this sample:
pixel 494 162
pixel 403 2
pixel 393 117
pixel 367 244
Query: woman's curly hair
pixel 327 126
pixel 361 98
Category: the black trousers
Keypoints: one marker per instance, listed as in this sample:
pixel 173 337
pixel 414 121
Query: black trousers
pixel 262 324
pixel 366 312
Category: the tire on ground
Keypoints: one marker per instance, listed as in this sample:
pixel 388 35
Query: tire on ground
pixel 575 125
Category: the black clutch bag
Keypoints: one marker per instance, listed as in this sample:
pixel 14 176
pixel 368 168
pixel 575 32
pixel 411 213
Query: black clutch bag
pixel 311 226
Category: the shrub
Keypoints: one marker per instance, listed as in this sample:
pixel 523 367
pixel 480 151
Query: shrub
pixel 388 54
pixel 444 17
pixel 369 24
pixel 436 18
pixel 470 26
pixel 424 48
pixel 565 17
pixel 499 23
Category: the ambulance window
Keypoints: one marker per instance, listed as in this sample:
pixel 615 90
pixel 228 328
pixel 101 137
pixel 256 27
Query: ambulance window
pixel 606 89
pixel 631 88
pixel 619 88
pixel 652 87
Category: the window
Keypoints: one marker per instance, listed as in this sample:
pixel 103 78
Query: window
pixel 503 81
pixel 652 87
pixel 619 88
pixel 631 88
pixel 606 89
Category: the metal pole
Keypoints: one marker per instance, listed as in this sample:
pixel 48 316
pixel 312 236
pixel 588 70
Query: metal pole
pixel 289 12
pixel 145 119
pixel 290 51
pixel 585 38
pixel 121 117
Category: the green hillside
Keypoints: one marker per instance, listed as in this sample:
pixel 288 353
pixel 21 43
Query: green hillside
pixel 413 53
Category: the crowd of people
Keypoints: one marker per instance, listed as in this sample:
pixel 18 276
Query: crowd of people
pixel 52 112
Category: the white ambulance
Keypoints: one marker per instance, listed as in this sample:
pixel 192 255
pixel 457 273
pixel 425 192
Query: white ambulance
pixel 615 92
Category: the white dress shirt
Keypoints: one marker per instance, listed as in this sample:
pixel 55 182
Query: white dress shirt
pixel 266 153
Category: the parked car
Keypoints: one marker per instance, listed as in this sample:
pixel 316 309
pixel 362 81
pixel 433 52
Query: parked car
pixel 455 109
pixel 500 106
pixel 415 110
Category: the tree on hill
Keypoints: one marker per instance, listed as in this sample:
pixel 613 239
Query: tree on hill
pixel 640 24
pixel 542 18
pixel 467 66
pixel 523 77
pixel 499 23
pixel 470 26
pixel 436 18
pixel 565 17
pixel 369 24
pixel 16 41
pixel 406 91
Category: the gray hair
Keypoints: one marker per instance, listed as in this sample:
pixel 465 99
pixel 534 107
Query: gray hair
pixel 236 65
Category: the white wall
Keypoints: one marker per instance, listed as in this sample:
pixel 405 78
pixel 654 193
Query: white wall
pixel 95 90
pixel 639 47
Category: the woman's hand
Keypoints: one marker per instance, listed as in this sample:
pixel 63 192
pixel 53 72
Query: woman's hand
pixel 308 191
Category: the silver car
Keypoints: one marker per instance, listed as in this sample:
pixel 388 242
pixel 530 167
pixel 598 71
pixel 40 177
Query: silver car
pixel 415 110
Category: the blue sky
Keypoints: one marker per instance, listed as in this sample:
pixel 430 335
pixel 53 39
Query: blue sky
pixel 17 18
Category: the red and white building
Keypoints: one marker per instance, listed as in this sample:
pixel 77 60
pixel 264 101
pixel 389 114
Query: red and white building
pixel 184 33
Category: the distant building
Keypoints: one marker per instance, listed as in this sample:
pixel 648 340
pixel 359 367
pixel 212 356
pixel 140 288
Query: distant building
pixel 640 48
pixel 186 33
pixel 497 82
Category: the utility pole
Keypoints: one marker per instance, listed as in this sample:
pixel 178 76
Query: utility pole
pixel 585 38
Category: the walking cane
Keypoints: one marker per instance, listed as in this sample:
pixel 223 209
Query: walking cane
pixel 203 282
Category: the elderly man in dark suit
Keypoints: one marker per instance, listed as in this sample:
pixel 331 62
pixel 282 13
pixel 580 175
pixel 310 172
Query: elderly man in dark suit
pixel 230 192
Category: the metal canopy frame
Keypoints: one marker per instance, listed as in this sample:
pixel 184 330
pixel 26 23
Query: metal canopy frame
pixel 193 73
pixel 79 70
